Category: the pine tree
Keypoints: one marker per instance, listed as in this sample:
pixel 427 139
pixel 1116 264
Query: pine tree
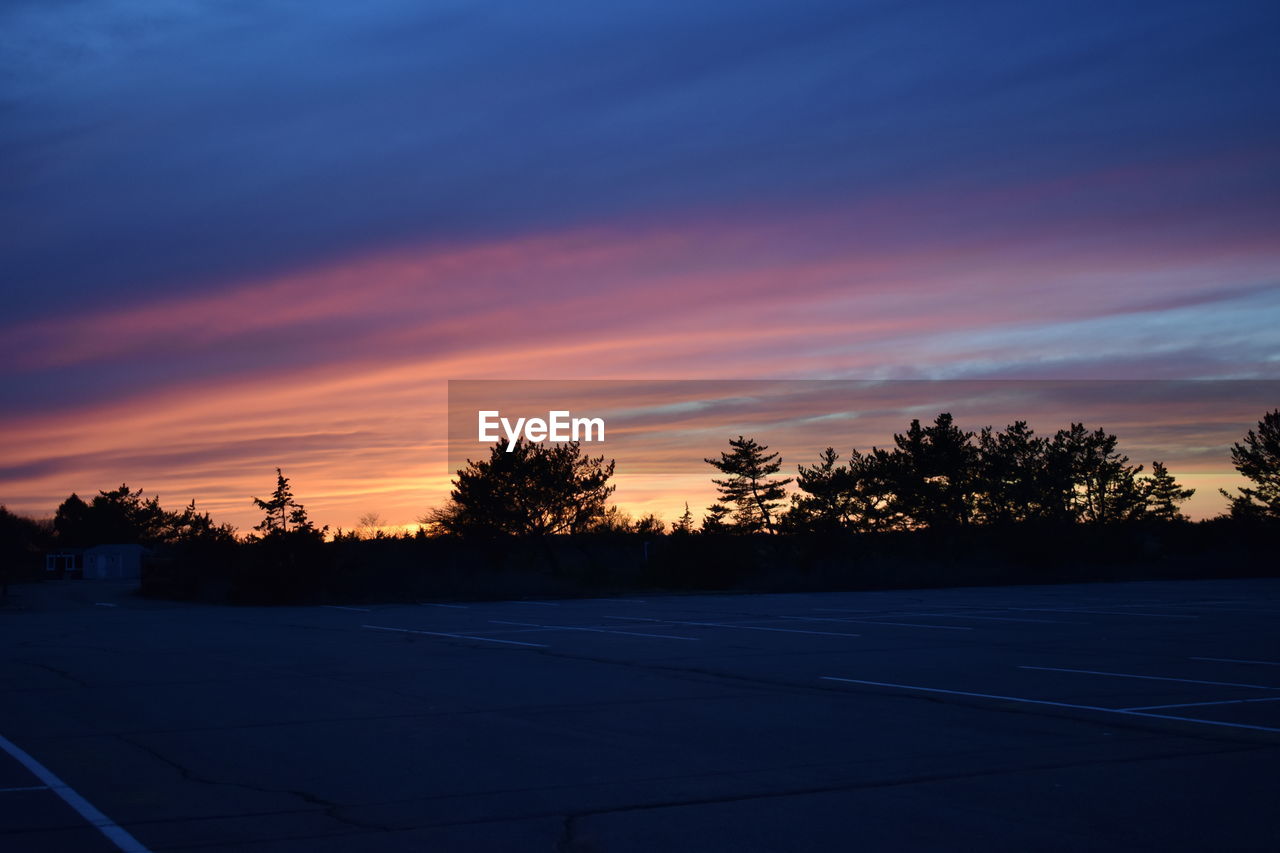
pixel 1258 460
pixel 531 490
pixel 717 519
pixel 283 513
pixel 684 524
pixel 1104 486
pixel 1163 494
pixel 750 487
pixel 822 504
pixel 935 467
pixel 1017 479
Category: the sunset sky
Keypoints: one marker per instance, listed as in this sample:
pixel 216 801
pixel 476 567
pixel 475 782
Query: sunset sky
pixel 242 236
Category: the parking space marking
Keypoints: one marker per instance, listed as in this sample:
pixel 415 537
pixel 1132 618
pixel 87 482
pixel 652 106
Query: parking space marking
pixel 762 628
pixel 24 788
pixel 1019 699
pixel 435 604
pixel 592 630
pixel 988 618
pixel 876 622
pixel 452 636
pixel 1152 677
pixel 109 828
pixel 842 610
pixel 1200 704
pixel 341 607
pixel 670 622
pixel 1100 612
pixel 745 627
pixel 1233 660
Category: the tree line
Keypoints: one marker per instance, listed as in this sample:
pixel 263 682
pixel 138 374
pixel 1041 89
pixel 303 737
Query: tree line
pixel 934 477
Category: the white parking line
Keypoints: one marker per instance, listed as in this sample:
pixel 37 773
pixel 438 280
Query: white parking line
pixel 1200 704
pixel 987 618
pixel 876 622
pixel 1100 612
pixel 435 604
pixel 1233 660
pixel 1123 711
pixel 762 628
pixel 453 636
pixel 24 788
pixel 735 625
pixel 535 603
pixel 1152 677
pixel 592 630
pixel 670 622
pixel 842 610
pixel 109 828
pixel 340 607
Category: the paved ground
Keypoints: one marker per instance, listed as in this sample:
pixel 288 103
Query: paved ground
pixel 1100 717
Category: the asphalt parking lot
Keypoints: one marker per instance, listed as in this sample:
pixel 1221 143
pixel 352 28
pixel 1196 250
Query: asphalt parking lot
pixel 1137 716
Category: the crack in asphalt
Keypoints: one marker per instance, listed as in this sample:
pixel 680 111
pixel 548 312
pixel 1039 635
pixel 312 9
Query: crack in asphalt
pixel 329 808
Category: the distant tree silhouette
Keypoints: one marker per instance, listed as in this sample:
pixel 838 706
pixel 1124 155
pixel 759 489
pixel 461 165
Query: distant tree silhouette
pixel 123 517
pixel 717 519
pixel 824 501
pixel 935 471
pixel 650 525
pixel 613 520
pixel 284 515
pixel 370 526
pixel 532 490
pixel 1257 458
pixel 750 487
pixel 1017 478
pixel 1104 487
pixel 683 525
pixel 72 522
pixel 22 541
pixel 873 481
pixel 1162 494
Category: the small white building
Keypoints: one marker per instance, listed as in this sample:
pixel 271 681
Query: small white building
pixel 66 563
pixel 113 562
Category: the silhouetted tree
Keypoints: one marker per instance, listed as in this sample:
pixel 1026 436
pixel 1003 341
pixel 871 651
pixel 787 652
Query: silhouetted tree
pixel 1258 460
pixel 1162 494
pixel 191 525
pixel 823 504
pixel 72 523
pixel 750 487
pixel 717 519
pixel 650 525
pixel 872 495
pixel 531 490
pixel 1018 478
pixel 284 515
pixel 683 525
pixel 613 520
pixel 1104 486
pixel 369 526
pixel 120 517
pixel 935 473
pixel 22 541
